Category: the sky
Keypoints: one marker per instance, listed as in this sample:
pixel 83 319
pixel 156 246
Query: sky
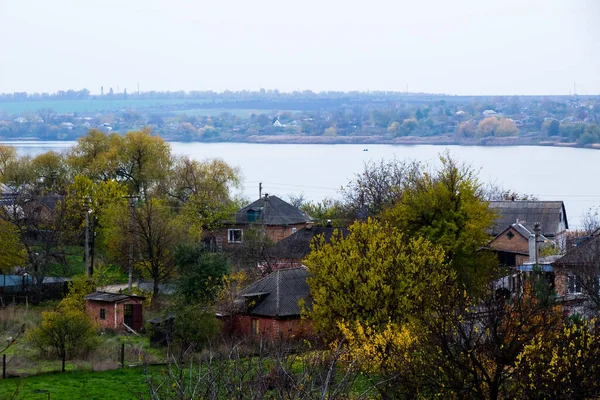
pixel 463 47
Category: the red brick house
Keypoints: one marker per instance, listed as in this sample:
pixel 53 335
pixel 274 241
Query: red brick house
pixel 515 245
pixel 271 305
pixel 115 311
pixel 277 218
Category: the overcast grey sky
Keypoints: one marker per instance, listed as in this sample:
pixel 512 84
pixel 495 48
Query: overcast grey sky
pixel 455 47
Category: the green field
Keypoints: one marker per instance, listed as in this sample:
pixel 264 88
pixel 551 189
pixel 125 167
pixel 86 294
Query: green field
pixel 238 112
pixel 72 106
pixel 123 383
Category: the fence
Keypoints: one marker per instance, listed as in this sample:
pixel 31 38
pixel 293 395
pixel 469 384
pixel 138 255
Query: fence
pixel 109 356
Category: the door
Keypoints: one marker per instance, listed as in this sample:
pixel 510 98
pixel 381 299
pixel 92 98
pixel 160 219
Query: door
pixel 137 319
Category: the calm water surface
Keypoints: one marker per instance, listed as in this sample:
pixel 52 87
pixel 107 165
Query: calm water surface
pixel 317 171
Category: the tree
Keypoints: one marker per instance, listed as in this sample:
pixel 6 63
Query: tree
pixel 408 126
pixel 326 210
pixel 467 129
pixel 13 253
pixel 39 223
pixel 376 188
pixel 199 273
pixel 446 207
pixel 51 172
pixel 563 366
pixel 96 155
pixel 203 193
pixel 492 191
pixel 372 276
pixel 468 348
pixel 331 131
pixel 144 162
pixel 64 333
pixel 8 155
pixel 158 237
pixel 591 220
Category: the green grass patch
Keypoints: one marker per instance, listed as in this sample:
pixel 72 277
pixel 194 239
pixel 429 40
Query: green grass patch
pixel 123 383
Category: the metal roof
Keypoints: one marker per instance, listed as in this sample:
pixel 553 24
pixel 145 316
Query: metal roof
pixel 110 297
pixel 278 293
pixel 271 210
pixel 297 245
pixel 548 213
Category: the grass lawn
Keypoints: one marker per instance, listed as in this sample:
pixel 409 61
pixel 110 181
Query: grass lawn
pixel 123 383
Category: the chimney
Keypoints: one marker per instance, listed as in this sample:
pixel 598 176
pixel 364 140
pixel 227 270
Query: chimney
pixel 532 246
pixel 513 198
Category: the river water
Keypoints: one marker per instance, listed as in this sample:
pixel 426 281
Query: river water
pixel 318 171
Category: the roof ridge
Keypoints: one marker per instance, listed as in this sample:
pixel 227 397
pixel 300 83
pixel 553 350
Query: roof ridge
pixel 277 299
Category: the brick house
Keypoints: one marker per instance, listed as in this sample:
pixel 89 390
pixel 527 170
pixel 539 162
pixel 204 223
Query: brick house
pixel 115 311
pixel 271 305
pixel 551 215
pixel 516 249
pixel 577 276
pixel 289 252
pixel 276 217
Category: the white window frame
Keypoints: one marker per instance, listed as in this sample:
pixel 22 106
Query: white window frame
pixel 231 235
pixel 574 285
pixel 294 230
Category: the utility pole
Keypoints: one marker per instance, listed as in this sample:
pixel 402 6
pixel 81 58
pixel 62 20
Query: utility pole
pixel 89 268
pixel 536 230
pixel 260 190
pixel 131 200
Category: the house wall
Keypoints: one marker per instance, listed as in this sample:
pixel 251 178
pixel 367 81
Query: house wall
pixel 93 310
pixel 271 327
pixel 518 244
pixel 274 232
pixel 560 281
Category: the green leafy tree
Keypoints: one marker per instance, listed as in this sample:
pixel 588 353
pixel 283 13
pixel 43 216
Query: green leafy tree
pixel 13 253
pixel 144 162
pixel 446 207
pixel 64 333
pixel 199 273
pixel 372 276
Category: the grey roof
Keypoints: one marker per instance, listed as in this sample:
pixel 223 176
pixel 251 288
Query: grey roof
pixel 547 213
pixel 110 297
pixel 297 245
pixel 587 253
pixel 278 294
pixel 271 210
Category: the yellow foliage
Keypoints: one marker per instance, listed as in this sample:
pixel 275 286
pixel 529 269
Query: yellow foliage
pixel 390 348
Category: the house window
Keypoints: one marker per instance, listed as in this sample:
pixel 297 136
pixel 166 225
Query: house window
pixel 293 230
pixel 560 217
pixel 102 313
pixel 255 326
pixel 234 235
pixel 510 235
pixel 574 284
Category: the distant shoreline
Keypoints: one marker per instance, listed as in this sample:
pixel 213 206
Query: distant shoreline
pixel 367 140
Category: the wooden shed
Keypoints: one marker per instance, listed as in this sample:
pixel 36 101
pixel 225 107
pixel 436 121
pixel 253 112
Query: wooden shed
pixel 115 311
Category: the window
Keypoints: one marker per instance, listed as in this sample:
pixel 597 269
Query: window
pixel 255 326
pixel 293 230
pixel 510 235
pixel 102 313
pixel 234 235
pixel 573 284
